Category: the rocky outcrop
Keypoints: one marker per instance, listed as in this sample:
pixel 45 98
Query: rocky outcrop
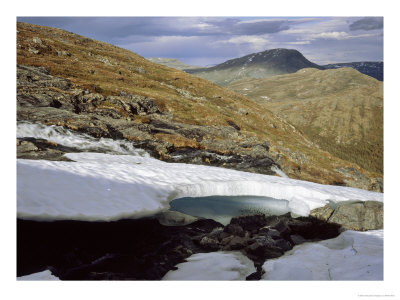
pixel 353 215
pixel 42 98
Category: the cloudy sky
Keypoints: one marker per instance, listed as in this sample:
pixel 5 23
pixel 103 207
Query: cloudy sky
pixel 210 40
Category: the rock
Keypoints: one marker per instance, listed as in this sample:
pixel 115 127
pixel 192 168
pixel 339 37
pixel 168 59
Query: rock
pixel 209 244
pixel 141 70
pixel 297 239
pixel 242 111
pixel 234 229
pixel 256 275
pixel 237 243
pixel 37 40
pixel 283 244
pixel 34 50
pixel 251 222
pixel 225 241
pixel 322 213
pixel 31 148
pixel 263 248
pixel 174 218
pixel 359 216
pixel 268 231
pixel 353 215
pixel 280 224
pixel 63 53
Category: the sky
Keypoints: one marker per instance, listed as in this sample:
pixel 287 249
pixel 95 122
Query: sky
pixel 206 41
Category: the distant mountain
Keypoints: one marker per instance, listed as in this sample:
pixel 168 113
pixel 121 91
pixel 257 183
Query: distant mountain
pixel 257 65
pixel 341 110
pixel 370 68
pixel 172 63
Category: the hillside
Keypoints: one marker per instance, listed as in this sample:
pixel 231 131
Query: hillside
pixel 340 109
pixel 257 65
pixel 99 89
pixel 370 68
pixel 172 63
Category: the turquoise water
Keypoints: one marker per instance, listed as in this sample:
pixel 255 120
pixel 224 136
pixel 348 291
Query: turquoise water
pixel 223 208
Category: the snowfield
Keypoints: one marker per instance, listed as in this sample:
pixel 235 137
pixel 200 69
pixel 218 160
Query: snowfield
pixel 109 187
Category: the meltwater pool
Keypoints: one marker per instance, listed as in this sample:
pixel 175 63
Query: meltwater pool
pixel 223 208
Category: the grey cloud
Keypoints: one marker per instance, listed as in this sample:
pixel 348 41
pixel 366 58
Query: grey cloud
pixel 368 23
pixel 119 27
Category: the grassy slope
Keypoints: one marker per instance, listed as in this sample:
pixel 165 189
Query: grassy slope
pixel 340 109
pixel 108 70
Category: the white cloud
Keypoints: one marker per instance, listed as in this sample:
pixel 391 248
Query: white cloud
pixel 340 35
pixel 299 43
pixel 331 35
pixel 249 42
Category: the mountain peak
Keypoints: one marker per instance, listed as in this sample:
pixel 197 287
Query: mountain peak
pixel 256 65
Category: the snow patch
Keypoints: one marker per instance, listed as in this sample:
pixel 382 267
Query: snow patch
pixel 279 172
pixel 44 275
pixel 213 266
pixel 352 255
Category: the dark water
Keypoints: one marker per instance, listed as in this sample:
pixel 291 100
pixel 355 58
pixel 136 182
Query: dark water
pixel 223 208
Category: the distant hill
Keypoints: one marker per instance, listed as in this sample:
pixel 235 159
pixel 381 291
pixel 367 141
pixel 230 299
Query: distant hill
pixel 370 68
pixel 172 63
pixel 340 109
pixel 257 65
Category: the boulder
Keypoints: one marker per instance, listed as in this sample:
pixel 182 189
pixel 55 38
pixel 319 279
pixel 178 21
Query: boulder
pixel 209 243
pixel 352 215
pixel 237 243
pixel 234 229
pixel 263 248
